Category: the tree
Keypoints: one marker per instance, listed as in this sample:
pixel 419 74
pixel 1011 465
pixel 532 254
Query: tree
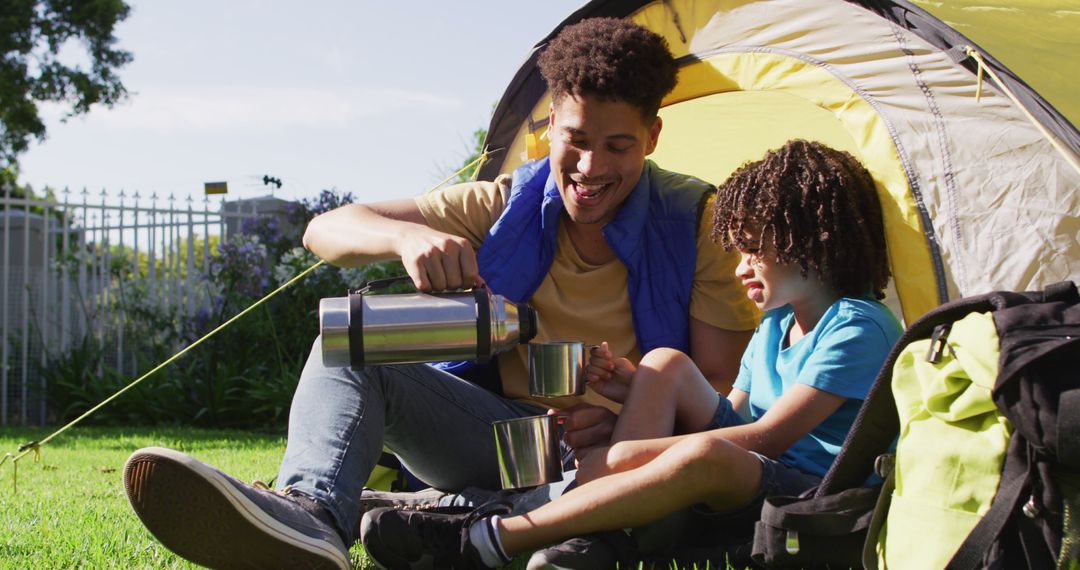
pixel 475 150
pixel 32 35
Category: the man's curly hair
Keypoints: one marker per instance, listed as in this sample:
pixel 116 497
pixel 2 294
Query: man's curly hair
pixel 814 206
pixel 610 58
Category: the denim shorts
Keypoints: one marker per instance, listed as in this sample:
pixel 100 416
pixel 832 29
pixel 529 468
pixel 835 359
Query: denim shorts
pixel 776 478
pixel 725 416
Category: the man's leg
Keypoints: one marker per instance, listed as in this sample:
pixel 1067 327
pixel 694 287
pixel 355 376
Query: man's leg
pixel 697 469
pixel 437 424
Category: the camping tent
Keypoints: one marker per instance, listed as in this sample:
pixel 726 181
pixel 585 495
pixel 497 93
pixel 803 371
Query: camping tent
pixel 978 175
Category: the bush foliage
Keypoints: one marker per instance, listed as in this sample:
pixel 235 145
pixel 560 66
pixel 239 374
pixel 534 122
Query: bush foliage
pixel 245 375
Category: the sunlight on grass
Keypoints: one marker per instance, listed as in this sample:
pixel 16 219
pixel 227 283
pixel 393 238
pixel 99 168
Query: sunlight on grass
pixel 70 510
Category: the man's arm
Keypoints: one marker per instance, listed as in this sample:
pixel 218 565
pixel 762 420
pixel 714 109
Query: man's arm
pixel 355 234
pixel 717 352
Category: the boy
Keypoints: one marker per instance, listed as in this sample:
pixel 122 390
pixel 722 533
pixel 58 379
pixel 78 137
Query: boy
pixel 808 227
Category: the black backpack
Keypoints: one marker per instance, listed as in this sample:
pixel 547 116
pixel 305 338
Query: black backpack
pixel 1033 520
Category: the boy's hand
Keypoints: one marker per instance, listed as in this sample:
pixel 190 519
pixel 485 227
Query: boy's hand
pixel 607 375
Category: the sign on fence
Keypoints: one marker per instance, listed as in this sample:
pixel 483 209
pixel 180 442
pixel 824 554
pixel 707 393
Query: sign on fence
pixel 216 187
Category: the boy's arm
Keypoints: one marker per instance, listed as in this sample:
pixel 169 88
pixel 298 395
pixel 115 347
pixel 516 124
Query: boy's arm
pixel 798 411
pixel 848 354
pixel 793 415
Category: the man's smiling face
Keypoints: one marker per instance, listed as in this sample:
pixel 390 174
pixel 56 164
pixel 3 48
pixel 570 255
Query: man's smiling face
pixel 598 151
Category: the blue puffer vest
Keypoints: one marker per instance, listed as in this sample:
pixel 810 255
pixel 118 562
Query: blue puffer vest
pixel 654 234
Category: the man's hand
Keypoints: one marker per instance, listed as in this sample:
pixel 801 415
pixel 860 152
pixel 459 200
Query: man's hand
pixel 355 234
pixel 437 261
pixel 586 426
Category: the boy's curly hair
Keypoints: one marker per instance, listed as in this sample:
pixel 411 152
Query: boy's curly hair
pixel 610 58
pixel 817 207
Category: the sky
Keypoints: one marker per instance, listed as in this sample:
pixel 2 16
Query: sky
pixel 375 98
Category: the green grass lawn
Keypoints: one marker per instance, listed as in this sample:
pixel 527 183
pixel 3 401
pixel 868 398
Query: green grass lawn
pixel 70 510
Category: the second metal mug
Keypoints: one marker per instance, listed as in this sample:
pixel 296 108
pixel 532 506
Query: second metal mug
pixel 528 451
pixel 557 367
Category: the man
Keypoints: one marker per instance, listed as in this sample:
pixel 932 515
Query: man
pixel 602 243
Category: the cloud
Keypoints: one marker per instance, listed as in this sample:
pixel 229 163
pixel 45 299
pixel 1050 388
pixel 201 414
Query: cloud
pixel 257 109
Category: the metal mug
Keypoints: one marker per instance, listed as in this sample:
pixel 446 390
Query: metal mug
pixel 557 367
pixel 528 451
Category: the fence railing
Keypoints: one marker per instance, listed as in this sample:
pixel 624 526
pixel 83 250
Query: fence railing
pixel 68 267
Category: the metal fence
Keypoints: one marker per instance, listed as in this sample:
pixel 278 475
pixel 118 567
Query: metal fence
pixel 67 263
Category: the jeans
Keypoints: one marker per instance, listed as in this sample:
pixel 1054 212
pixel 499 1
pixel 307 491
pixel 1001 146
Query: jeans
pixel 437 424
pixel 725 416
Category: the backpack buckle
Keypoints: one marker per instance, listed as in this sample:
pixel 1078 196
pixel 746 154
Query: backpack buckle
pixel 937 343
pixel 1030 508
pixel 791 543
pixel 884 464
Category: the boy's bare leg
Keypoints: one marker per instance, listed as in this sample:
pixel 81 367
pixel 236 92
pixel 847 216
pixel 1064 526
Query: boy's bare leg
pixel 699 468
pixel 667 392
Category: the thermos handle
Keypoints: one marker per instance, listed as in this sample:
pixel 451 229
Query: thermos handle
pixel 376 284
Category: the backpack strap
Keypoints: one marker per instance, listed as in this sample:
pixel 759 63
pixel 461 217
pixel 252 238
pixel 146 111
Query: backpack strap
pixel 1063 292
pixel 1014 479
pixel 877 423
pixel 1054 317
pixel 877 522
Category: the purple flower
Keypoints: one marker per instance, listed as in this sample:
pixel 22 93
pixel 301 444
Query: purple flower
pixel 241 266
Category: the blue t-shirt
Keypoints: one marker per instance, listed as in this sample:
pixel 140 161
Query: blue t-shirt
pixel 841 355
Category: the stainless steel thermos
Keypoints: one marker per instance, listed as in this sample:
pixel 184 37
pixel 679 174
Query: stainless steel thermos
pixel 420 327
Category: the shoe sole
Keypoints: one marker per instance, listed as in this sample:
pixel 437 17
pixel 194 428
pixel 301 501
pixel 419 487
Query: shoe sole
pixel 418 501
pixel 382 560
pixel 169 491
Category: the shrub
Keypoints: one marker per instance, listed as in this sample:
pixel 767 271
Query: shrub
pixel 245 375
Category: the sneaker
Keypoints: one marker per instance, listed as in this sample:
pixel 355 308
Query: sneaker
pixel 601 550
pixel 214 520
pixel 426 499
pixel 437 538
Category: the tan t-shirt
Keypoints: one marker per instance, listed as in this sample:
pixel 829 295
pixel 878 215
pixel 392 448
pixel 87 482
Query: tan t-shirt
pixel 581 301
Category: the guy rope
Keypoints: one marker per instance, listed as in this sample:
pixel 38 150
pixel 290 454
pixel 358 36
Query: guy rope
pixel 35 446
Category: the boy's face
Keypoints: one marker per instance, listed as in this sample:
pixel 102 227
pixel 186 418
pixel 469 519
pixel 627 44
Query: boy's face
pixel 598 151
pixel 770 284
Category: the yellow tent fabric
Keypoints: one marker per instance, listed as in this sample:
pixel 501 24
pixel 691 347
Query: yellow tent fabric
pixel 1038 39
pixel 976 197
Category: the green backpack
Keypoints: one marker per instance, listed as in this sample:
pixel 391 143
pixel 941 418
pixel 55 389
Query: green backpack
pixel 952 446
pixel 981 398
